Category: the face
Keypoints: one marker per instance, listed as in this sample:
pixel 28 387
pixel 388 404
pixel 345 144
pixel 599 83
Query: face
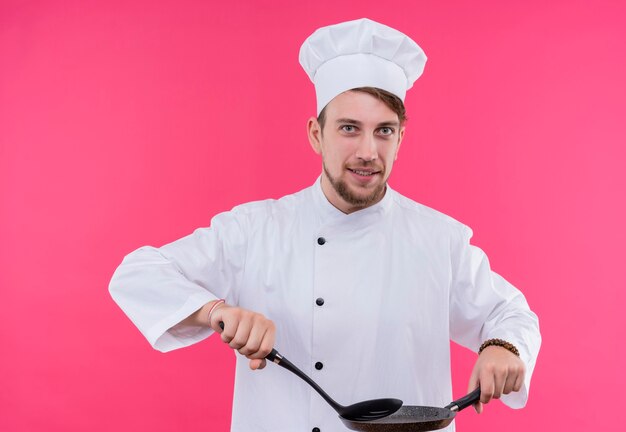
pixel 358 145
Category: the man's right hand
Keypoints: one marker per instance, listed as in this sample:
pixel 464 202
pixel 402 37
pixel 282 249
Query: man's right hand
pixel 250 333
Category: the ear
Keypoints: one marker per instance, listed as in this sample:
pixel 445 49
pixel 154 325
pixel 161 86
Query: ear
pixel 314 133
pixel 400 138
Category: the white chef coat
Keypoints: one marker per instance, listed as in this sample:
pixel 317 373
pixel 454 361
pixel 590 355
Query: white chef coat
pixel 398 282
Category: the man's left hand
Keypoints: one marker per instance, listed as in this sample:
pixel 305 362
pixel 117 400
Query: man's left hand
pixel 498 371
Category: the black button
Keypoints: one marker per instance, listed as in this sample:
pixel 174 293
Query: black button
pixel 321 241
pixel 319 301
pixel 316 430
pixel 319 365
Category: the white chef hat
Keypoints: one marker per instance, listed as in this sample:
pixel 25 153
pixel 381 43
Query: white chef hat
pixel 360 53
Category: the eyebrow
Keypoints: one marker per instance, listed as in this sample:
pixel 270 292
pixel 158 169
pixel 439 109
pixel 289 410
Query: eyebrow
pixel 359 123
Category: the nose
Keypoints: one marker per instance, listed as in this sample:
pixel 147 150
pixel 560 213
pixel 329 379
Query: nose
pixel 367 149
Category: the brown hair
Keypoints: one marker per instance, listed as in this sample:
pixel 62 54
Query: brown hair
pixel 391 100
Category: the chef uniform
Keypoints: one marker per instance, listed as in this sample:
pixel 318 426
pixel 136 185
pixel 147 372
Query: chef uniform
pixel 365 303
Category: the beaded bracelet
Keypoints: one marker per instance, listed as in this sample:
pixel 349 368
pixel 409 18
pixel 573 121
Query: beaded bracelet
pixel 216 304
pixel 501 343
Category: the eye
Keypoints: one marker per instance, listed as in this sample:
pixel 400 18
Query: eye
pixel 348 128
pixel 386 131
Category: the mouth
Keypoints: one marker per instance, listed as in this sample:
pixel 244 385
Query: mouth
pixel 363 172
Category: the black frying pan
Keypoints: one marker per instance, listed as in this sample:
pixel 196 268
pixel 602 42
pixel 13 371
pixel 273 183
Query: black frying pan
pixel 415 418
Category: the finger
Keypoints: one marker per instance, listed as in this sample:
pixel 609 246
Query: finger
pixel 256 364
pixel 216 318
pixel 478 407
pixel 269 340
pixel 500 377
pixel 267 343
pixel 511 379
pixel 231 325
pixel 487 384
pixel 242 334
pixel 230 322
pixel 471 386
pixel 254 340
pixel 508 385
pixel 519 381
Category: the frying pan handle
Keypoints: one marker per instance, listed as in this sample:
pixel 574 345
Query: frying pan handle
pixel 465 401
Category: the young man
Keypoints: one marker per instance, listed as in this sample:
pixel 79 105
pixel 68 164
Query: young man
pixel 356 284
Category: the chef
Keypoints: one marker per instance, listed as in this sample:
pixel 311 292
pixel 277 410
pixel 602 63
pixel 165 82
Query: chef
pixel 359 286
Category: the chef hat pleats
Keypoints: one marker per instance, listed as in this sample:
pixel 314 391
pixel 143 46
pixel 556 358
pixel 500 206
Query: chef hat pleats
pixel 360 53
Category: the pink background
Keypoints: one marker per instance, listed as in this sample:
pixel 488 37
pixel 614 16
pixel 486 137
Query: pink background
pixel 124 123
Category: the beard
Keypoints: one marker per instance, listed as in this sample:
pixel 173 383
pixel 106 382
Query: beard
pixel 359 201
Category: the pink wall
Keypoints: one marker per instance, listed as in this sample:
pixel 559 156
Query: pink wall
pixel 125 123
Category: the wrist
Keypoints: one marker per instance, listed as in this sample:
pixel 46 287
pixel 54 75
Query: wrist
pixel 213 306
pixel 499 343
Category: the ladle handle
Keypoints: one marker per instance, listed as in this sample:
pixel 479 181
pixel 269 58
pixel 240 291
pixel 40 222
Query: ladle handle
pixel 465 401
pixel 275 357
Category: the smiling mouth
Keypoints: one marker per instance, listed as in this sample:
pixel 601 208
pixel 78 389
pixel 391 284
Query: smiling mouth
pixel 363 173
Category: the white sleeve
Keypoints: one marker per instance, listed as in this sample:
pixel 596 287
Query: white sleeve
pixel 483 305
pixel 159 287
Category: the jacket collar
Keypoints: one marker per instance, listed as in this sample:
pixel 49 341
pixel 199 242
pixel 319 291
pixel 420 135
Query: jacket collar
pixel 328 213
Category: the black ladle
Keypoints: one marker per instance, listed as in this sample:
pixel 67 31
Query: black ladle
pixel 368 410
